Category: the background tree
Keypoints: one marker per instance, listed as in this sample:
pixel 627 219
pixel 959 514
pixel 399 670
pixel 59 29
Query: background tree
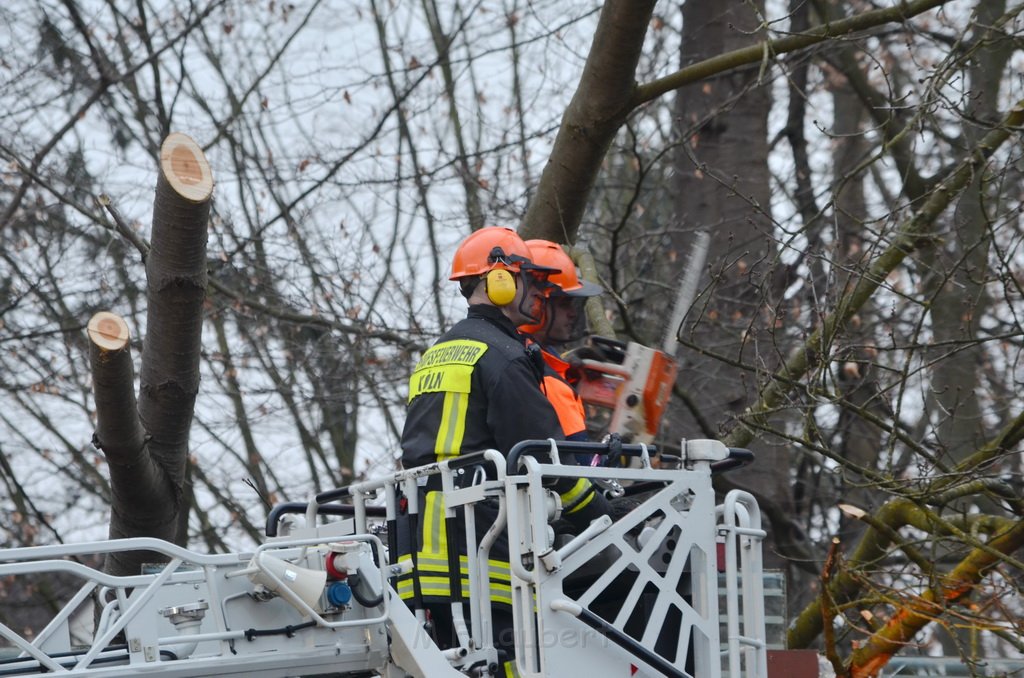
pixel 850 387
pixel 858 319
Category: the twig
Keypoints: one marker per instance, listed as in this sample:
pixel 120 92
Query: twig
pixel 122 226
pixel 828 609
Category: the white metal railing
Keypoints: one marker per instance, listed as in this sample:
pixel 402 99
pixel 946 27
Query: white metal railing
pixel 637 595
pixel 740 528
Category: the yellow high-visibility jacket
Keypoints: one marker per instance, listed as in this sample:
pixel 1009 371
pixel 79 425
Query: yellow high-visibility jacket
pixel 477 388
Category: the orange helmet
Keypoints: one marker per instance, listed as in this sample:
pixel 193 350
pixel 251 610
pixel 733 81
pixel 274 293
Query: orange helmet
pixel 550 254
pixel 492 248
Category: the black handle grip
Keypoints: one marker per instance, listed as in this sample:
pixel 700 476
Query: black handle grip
pixel 738 457
pixel 333 495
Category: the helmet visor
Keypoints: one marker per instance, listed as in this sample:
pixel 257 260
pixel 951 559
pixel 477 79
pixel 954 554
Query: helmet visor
pixel 566 318
pixel 535 288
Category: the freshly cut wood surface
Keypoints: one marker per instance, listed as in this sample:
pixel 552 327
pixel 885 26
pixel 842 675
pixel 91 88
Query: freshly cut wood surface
pixel 184 165
pixel 108 331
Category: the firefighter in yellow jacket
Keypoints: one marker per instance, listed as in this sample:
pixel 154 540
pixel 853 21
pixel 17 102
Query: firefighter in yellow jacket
pixel 477 388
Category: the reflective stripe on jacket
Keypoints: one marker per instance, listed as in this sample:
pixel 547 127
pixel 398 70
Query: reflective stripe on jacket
pixel 432 556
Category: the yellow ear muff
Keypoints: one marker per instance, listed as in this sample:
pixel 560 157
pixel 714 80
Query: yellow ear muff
pixel 501 287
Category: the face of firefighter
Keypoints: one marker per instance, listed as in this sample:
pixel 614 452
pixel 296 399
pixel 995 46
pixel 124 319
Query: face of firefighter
pixel 565 320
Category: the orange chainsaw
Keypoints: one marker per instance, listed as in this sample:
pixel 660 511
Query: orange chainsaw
pixel 626 386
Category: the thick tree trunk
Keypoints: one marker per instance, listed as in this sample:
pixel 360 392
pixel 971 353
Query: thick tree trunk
pixel 597 110
pixel 147 448
pixel 960 264
pixel 723 187
pixel 176 276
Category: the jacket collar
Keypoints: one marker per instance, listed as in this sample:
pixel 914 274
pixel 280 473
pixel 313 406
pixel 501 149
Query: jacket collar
pixel 555 362
pixel 493 315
